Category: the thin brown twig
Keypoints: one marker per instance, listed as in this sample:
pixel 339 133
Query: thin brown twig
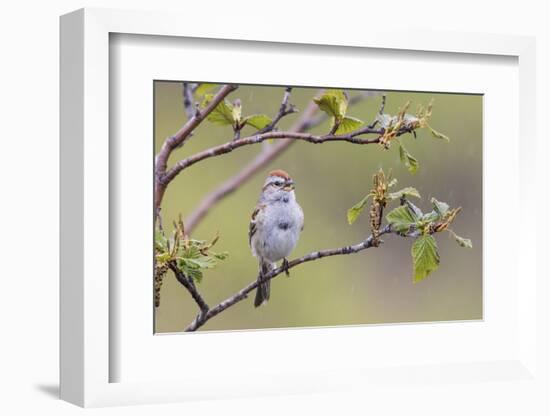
pixel 284 110
pixel 258 138
pixel 180 137
pixel 191 288
pixel 205 316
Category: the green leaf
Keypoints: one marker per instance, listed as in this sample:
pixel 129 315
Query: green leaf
pixel 461 241
pixel 407 159
pixel 221 256
pixel 438 135
pixel 222 114
pixel 161 242
pixel 430 217
pixel 440 207
pixel 202 89
pixel 258 121
pixel 203 262
pixel 355 210
pixel 425 257
pixel 190 269
pixel 348 124
pixel 408 191
pixel 402 218
pixel 334 103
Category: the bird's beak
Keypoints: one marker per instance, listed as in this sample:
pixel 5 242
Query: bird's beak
pixel 289 185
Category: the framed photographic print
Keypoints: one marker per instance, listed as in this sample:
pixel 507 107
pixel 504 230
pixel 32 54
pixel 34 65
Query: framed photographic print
pixel 332 154
pixel 235 226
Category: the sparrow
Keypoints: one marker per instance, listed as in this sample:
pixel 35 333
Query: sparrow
pixel 274 228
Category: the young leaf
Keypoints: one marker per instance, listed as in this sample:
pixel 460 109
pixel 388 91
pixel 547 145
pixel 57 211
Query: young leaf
pixel 461 241
pixel 408 191
pixel 430 217
pixel 408 160
pixel 440 207
pixel 221 256
pixel 355 210
pixel 438 135
pixel 417 211
pixel 348 124
pixel 191 271
pixel 161 242
pixel 402 218
pixel 258 121
pixel 334 103
pixel 237 111
pixel 222 114
pixel 425 257
pixel 203 262
pixel 202 89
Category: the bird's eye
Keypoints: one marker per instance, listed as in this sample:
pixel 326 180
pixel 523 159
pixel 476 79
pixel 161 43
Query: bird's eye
pixel 278 183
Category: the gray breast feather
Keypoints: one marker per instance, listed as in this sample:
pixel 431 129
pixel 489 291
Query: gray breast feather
pixel 280 230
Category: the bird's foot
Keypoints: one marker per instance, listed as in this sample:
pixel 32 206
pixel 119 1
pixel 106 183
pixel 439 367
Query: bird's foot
pixel 285 267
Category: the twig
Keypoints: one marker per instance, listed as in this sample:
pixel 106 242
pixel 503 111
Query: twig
pixel 191 288
pixel 243 293
pixel 159 217
pixel 308 120
pixel 188 101
pixel 275 135
pixel 284 110
pixel 380 111
pixel 179 138
pixel 267 155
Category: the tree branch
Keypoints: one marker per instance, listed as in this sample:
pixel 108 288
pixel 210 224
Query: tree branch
pixel 191 288
pixel 267 155
pixel 258 138
pixel 205 316
pixel 179 138
pixel 307 121
pixel 284 110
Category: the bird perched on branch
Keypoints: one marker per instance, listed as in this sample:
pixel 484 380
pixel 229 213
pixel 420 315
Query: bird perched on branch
pixel 274 228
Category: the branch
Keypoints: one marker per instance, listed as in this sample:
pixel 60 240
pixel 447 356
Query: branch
pixel 205 316
pixel 307 121
pixel 275 135
pixel 267 155
pixel 284 110
pixel 190 286
pixel 179 138
pixel 188 101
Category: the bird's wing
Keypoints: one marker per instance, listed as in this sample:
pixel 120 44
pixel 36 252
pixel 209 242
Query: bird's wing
pixel 256 217
pixel 302 217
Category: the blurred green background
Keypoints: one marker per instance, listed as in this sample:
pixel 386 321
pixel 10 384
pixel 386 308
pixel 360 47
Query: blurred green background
pixel 374 286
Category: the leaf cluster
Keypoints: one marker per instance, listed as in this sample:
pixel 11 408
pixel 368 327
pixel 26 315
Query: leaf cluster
pixel 230 114
pixel 380 194
pixel 403 122
pixel 335 104
pixel 409 220
pixel 189 255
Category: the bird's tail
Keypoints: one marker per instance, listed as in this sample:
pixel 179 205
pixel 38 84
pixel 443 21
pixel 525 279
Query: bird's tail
pixel 262 293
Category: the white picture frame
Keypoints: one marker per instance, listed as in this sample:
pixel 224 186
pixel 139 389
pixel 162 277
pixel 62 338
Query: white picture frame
pixel 87 357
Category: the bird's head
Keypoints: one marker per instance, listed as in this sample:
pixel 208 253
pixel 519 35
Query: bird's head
pixel 277 184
